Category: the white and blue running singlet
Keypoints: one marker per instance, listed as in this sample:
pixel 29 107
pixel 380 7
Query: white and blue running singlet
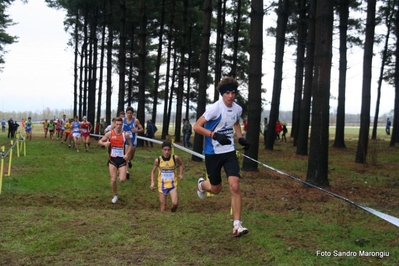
pixel 127 127
pixel 76 127
pixel 221 119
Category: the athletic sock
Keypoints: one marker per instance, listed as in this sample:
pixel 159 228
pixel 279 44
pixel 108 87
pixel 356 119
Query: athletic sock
pixel 236 222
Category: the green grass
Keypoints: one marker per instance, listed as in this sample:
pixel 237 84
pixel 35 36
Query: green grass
pixel 55 209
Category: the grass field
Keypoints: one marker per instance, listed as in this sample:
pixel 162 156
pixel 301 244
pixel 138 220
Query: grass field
pixel 55 209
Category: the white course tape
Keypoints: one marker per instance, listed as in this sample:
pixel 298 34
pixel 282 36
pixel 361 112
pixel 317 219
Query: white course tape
pixel 389 218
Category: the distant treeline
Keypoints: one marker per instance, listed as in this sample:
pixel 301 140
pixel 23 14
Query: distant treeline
pixel 285 116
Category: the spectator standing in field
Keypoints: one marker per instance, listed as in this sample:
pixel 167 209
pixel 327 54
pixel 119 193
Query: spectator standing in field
pixel 28 128
pixel 187 131
pixel 285 130
pixel 10 126
pixel 279 128
pixel 45 127
pixel 150 132
pixel 23 123
pixel 388 127
pixel 114 140
pixel 265 125
pixel 218 124
pixel 103 125
pixel 3 125
pixel 14 129
pixel 167 165
pixel 184 131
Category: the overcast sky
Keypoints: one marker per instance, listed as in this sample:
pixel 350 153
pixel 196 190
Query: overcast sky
pixel 38 72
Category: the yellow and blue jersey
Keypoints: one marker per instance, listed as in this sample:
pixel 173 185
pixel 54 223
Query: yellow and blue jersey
pixel 167 177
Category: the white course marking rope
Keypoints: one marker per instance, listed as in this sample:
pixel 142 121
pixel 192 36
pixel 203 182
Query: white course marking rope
pixel 389 218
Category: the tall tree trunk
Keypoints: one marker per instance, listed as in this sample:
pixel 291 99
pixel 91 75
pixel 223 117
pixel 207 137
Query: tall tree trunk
pixel 89 70
pixel 131 66
pixel 180 88
pixel 395 128
pixel 299 70
pixel 81 80
pixel 101 74
pixel 172 89
pixel 122 57
pixel 142 68
pixel 158 62
pixel 86 63
pixel 222 32
pixel 388 23
pixel 343 9
pixel 362 145
pixel 165 127
pixel 237 17
pixel 218 49
pixel 303 132
pixel 109 63
pixel 206 33
pixel 255 83
pixel 278 71
pixel 317 173
pixel 93 69
pixel 190 52
pixel 75 68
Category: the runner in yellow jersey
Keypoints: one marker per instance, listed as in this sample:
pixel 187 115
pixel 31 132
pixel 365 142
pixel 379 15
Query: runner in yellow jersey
pixel 45 127
pixel 67 132
pixel 167 176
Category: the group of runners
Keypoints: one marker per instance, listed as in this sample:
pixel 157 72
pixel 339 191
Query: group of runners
pixel 71 131
pixel 218 125
pixel 121 140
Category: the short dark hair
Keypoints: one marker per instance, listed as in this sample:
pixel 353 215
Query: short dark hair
pixel 166 144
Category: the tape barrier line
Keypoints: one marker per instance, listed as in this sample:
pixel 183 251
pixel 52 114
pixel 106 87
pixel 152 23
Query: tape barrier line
pixel 160 142
pixel 389 218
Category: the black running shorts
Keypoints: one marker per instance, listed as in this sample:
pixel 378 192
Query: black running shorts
pixel 215 162
pixel 118 162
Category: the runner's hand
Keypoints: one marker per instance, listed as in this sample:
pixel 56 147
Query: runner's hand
pixel 244 143
pixel 222 139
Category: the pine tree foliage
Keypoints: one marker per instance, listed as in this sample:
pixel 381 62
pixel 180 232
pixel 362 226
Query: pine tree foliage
pixel 5 22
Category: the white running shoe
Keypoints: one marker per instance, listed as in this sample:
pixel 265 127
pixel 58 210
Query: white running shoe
pixel 200 192
pixel 114 199
pixel 239 230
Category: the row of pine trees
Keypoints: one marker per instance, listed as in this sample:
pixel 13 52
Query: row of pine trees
pixel 175 52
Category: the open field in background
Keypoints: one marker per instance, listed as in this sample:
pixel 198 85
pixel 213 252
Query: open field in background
pixel 56 209
pixel 351 131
